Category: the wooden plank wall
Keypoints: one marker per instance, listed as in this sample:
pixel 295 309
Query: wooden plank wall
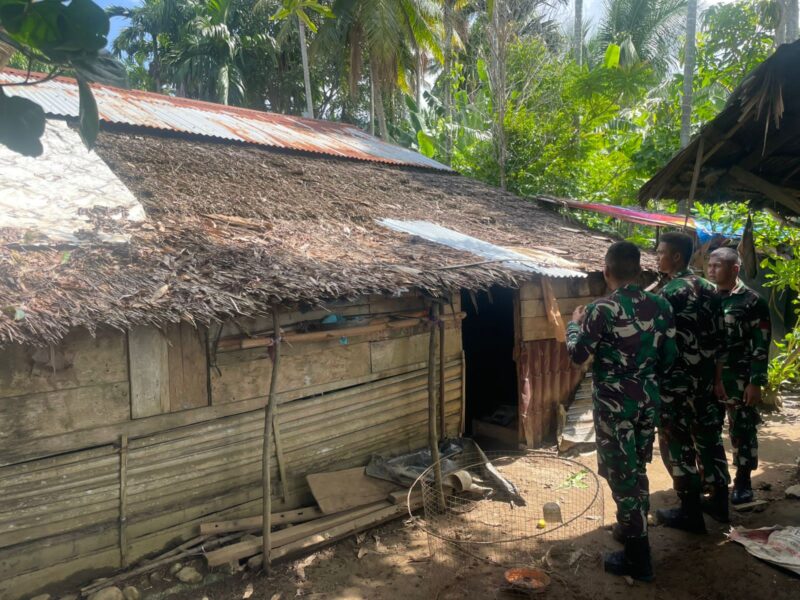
pixel 570 293
pixel 543 366
pixel 340 402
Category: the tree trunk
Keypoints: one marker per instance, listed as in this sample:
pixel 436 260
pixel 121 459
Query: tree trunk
pixel 688 72
pixel 577 32
pixel 792 18
pixel 371 103
pixel 377 101
pixel 780 29
pixel 420 76
pixel 498 45
pixel 306 73
pixel 447 67
pixel 156 66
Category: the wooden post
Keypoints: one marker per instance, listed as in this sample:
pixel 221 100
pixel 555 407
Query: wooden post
pixel 123 501
pixel 698 164
pixel 266 511
pixel 463 427
pixel 442 408
pixel 433 438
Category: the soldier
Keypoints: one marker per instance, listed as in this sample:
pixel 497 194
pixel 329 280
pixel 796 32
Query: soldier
pixel 632 337
pixel 691 418
pixel 742 364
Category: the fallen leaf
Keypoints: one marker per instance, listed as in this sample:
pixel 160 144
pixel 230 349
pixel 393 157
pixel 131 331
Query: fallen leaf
pixel 160 292
pixel 276 596
pixel 362 552
pixel 248 591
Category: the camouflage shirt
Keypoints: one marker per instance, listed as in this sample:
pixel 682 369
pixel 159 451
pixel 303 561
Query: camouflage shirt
pixel 698 324
pixel 745 348
pixel 632 337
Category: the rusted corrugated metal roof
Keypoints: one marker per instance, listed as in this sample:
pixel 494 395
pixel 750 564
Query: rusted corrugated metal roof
pixel 59 97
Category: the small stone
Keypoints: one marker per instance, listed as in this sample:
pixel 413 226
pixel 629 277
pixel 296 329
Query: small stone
pixel 41 597
pixel 131 593
pixel 173 570
pixel 189 575
pixel 793 491
pixel 109 593
pixel 628 579
pixel 254 563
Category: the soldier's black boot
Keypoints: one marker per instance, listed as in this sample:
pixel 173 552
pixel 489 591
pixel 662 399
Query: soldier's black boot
pixel 716 505
pixel 689 517
pixel 634 561
pixel 742 487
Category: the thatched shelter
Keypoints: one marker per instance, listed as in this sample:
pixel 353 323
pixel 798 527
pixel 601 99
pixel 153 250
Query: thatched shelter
pixel 137 285
pixel 751 150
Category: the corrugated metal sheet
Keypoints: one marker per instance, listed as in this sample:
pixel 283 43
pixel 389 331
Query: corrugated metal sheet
pixel 547 378
pixel 59 97
pixel 625 213
pixel 453 239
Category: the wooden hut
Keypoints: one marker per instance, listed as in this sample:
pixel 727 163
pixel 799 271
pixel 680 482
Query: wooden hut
pixel 137 284
pixel 751 150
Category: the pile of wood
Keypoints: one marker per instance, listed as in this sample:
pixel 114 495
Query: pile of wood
pixel 348 502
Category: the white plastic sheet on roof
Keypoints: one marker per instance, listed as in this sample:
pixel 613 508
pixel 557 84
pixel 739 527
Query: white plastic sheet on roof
pixel 46 195
pixel 459 241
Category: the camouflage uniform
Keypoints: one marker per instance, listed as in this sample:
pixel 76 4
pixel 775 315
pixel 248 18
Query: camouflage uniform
pixel 690 432
pixel 745 356
pixel 632 337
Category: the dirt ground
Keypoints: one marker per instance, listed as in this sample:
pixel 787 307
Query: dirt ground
pixel 393 562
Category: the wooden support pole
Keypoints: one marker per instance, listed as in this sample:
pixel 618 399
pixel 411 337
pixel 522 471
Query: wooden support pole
pixel 266 512
pixel 463 427
pixel 442 412
pixel 698 164
pixel 279 457
pixel 433 438
pixel 123 501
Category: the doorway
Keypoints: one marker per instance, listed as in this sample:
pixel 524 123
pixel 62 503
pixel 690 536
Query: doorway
pixel 491 403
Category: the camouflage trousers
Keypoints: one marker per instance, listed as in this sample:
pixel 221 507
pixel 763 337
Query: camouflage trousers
pixel 690 439
pixel 624 447
pixel 743 424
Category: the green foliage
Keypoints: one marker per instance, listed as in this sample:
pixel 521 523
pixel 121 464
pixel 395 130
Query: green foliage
pixel 58 36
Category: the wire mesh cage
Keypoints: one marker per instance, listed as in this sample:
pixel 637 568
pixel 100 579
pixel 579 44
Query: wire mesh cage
pixel 486 514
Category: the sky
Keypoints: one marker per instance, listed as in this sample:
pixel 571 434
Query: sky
pixel 593 9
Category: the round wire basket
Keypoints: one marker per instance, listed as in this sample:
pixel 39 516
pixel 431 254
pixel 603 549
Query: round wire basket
pixel 490 512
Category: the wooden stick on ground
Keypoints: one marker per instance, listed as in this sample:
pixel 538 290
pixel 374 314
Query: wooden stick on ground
pixel 433 438
pixel 266 512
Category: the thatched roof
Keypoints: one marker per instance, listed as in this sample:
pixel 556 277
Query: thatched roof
pixel 751 150
pixel 233 228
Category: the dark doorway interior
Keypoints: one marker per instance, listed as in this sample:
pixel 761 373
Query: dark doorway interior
pixel 488 337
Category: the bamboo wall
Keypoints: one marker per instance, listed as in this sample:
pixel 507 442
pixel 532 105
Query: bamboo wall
pixel 166 432
pixel 546 375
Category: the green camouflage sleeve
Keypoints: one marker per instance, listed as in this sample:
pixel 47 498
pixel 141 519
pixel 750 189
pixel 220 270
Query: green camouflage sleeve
pixel 582 339
pixel 668 352
pixel 761 332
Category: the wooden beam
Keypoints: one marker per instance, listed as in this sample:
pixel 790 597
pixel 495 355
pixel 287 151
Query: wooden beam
pixel 289 517
pixel 698 163
pixel 771 191
pixel 123 501
pixel 269 415
pixel 433 438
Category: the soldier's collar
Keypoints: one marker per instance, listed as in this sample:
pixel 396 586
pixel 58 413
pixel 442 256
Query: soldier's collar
pixel 739 288
pixel 683 273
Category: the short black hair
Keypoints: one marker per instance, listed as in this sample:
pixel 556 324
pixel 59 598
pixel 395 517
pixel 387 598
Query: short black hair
pixel 681 243
pixel 623 260
pixel 728 254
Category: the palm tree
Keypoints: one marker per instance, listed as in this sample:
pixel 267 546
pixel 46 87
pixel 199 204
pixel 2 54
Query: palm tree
pixel 152 25
pixel 208 57
pixel 688 72
pixel 646 31
pixel 389 32
pixel 298 9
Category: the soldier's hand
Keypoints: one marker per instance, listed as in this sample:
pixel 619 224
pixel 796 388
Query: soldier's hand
pixel 719 391
pixel 752 395
pixel 579 314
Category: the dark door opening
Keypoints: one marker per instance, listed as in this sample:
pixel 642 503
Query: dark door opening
pixel 491 375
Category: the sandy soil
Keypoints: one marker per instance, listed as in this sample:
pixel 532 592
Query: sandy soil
pixel 393 562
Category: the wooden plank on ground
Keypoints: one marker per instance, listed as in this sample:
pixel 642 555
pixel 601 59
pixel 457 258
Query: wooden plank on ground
pixel 289 517
pixel 337 491
pixel 149 372
pixel 286 536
